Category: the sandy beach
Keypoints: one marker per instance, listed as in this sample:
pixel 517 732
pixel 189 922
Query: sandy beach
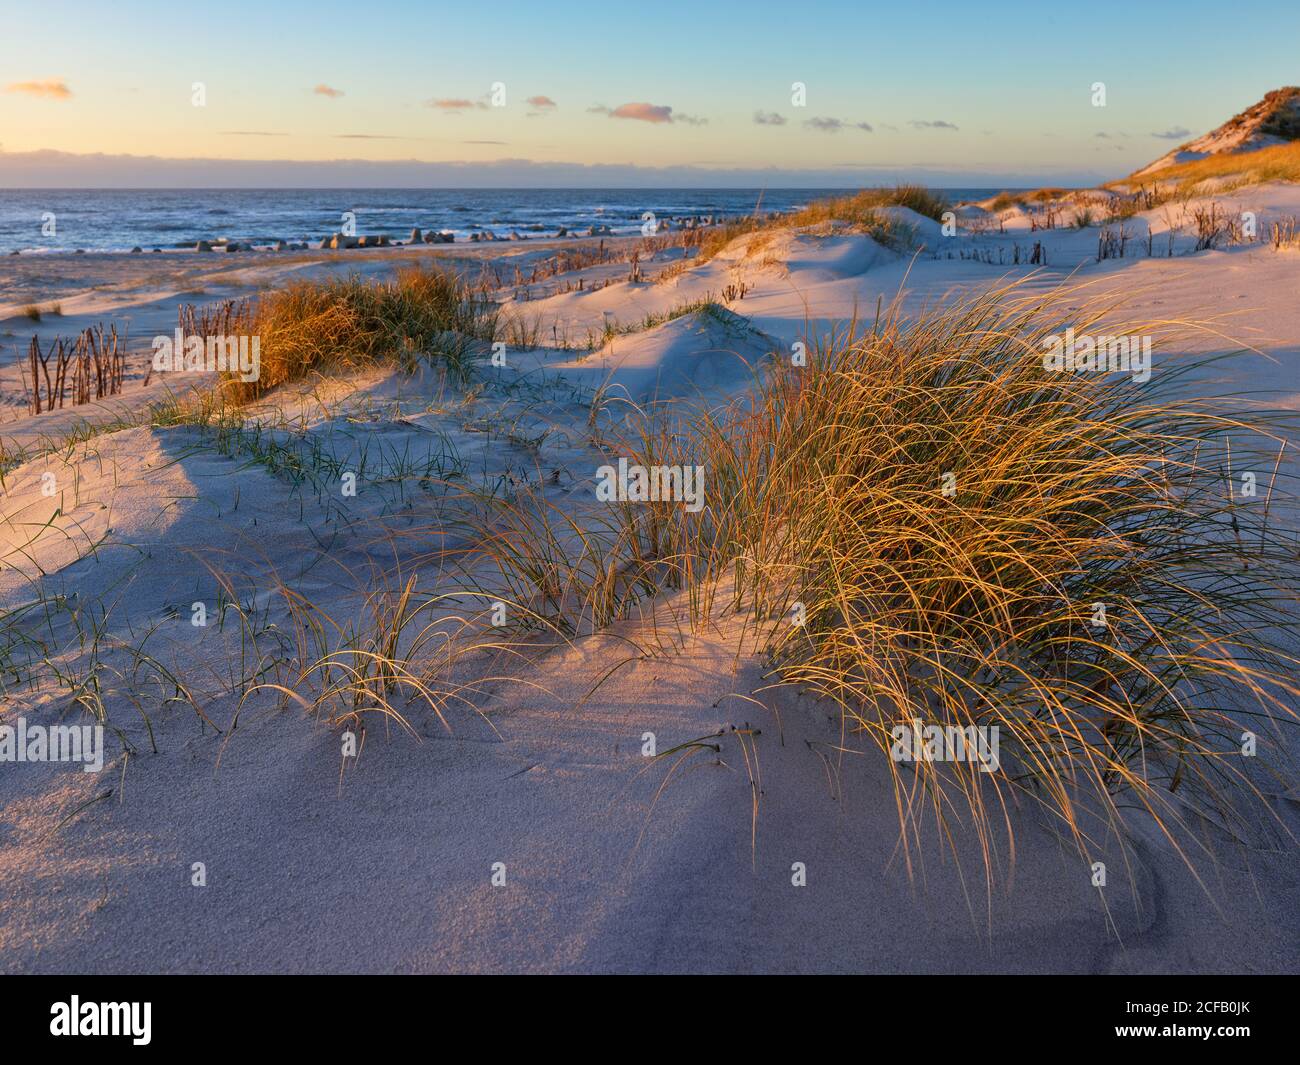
pixel 771 494
pixel 513 820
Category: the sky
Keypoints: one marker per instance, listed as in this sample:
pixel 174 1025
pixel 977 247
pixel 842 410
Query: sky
pixel 280 92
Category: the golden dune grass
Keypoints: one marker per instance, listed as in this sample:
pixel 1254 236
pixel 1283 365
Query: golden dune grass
pixel 317 326
pixel 828 501
pixel 1279 163
pixel 859 211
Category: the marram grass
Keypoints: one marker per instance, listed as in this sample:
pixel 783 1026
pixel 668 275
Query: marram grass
pixel 328 326
pixel 859 211
pixel 1281 162
pixel 970 539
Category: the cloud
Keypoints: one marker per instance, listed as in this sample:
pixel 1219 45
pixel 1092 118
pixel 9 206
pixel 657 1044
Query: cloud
pixel 938 123
pixel 656 114
pixel 454 104
pixel 834 125
pixel 53 169
pixel 768 118
pixel 49 89
pixel 370 137
pixel 251 133
pixel 542 103
pixel 327 90
pixel 1177 133
pixel 1102 136
pixel 642 112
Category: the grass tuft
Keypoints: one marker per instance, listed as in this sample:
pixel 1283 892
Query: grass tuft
pixel 860 211
pixel 314 326
pixel 978 606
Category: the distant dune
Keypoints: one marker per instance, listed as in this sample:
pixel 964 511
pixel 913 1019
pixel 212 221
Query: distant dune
pixel 1275 120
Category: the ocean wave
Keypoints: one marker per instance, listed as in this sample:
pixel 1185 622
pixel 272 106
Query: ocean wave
pixel 121 219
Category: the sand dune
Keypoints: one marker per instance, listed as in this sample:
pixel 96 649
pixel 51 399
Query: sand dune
pixel 609 860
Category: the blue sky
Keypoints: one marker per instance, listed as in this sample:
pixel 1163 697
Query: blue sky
pixel 977 94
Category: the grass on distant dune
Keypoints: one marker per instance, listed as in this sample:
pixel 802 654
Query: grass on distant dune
pixel 1005 200
pixel 1279 163
pixel 859 211
pixel 861 205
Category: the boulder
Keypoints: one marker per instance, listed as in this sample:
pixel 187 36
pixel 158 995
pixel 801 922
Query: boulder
pixel 416 236
pixel 203 245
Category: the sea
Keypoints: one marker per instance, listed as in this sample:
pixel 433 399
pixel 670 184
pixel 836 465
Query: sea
pixel 68 220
